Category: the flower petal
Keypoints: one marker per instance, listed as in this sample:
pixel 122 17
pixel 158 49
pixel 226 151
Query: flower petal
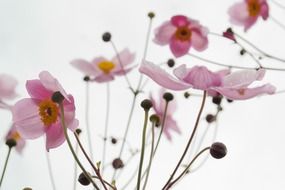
pixel 161 77
pixel 170 125
pixel 126 58
pixel 164 33
pixel 179 48
pixel 36 90
pixel 84 66
pixel 199 42
pixel 180 20
pixel 238 13
pixel 7 86
pixel 264 10
pixel 54 136
pixel 104 78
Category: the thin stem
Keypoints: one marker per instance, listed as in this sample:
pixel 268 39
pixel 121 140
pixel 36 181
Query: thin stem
pixel 89 160
pixel 142 149
pixel 251 55
pixel 186 169
pixel 107 183
pixel 189 142
pixel 71 148
pixel 50 171
pixel 151 156
pixel 87 121
pixel 5 165
pixel 75 169
pixel 106 126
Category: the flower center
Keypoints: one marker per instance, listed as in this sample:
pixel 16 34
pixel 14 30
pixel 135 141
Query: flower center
pixel 253 7
pixel 183 33
pixel 241 91
pixel 106 66
pixel 48 112
pixel 16 136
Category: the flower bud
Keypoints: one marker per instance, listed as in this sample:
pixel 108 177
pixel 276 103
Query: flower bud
pixel 11 143
pixel 27 188
pixel 217 99
pixel 106 37
pixel 86 78
pixel 117 163
pixel 218 150
pixel 151 15
pixel 167 96
pixel 57 97
pixel 83 180
pixel 154 118
pixel 114 140
pixel 146 104
pixel 78 131
pixel 187 94
pixel 170 63
pixel 210 118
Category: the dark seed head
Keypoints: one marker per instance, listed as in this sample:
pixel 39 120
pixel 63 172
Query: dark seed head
pixel 155 118
pixel 217 99
pixel 83 180
pixel 229 100
pixel 242 52
pixel 168 96
pixel 106 36
pixel 218 150
pixel 86 78
pixel 146 104
pixel 151 15
pixel 27 188
pixel 210 118
pixel 170 62
pixel 187 94
pixel 114 140
pixel 11 143
pixel 117 163
pixel 57 97
pixel 78 131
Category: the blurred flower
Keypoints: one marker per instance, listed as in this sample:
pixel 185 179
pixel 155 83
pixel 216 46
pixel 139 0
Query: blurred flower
pixel 234 86
pixel 159 108
pixel 101 69
pixel 181 33
pixel 7 89
pixel 229 34
pixel 247 12
pixel 15 135
pixel 39 115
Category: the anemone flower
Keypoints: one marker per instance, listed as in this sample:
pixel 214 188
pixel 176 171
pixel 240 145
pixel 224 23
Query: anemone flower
pixel 233 86
pixel 247 12
pixel 101 69
pixel 15 135
pixel 159 108
pixel 39 115
pixel 181 33
pixel 7 89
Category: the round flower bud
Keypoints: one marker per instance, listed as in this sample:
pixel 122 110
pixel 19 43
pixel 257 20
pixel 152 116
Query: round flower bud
pixel 210 118
pixel 167 96
pixel 242 52
pixel 11 143
pixel 86 78
pixel 117 163
pixel 170 63
pixel 27 188
pixel 154 118
pixel 229 100
pixel 106 37
pixel 114 140
pixel 217 99
pixel 78 131
pixel 57 97
pixel 187 94
pixel 83 180
pixel 151 15
pixel 218 150
pixel 146 104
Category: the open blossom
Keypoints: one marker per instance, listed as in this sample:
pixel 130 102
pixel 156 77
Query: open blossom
pixel 181 33
pixel 7 89
pixel 15 135
pixel 247 12
pixel 39 115
pixel 101 69
pixel 159 108
pixel 233 86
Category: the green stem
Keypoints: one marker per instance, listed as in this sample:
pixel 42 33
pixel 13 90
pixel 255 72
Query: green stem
pixel 5 165
pixel 71 148
pixel 189 141
pixel 142 149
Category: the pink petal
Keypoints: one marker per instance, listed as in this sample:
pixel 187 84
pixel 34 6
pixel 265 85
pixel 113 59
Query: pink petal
pixel 199 42
pixel 170 125
pixel 249 22
pixel 123 72
pixel 164 33
pixel 7 86
pixel 179 48
pixel 246 93
pixel 104 78
pixel 51 83
pixel 242 78
pixel 36 90
pixel 26 118
pixel 238 13
pixel 198 76
pixel 84 66
pixel 180 20
pixel 161 77
pixel 126 58
pixel 264 11
pixel 54 136
pixel 20 145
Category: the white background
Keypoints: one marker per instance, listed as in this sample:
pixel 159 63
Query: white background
pixel 38 35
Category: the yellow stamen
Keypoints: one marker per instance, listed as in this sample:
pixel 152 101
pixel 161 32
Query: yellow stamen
pixel 253 7
pixel 106 66
pixel 48 112
pixel 16 136
pixel 183 33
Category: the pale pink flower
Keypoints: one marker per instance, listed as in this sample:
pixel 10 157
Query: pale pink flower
pixel 247 12
pixel 39 115
pixel 15 135
pixel 233 86
pixel 159 108
pixel 101 69
pixel 181 33
pixel 7 89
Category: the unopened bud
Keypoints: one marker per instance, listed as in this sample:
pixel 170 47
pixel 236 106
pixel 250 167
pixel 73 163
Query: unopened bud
pixel 117 163
pixel 218 150
pixel 168 96
pixel 146 104
pixel 106 37
pixel 57 97
pixel 83 180
pixel 11 143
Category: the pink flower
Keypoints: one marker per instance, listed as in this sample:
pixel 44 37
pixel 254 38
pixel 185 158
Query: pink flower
pixel 14 134
pixel 39 115
pixel 7 89
pixel 159 108
pixel 247 12
pixel 233 86
pixel 104 70
pixel 181 33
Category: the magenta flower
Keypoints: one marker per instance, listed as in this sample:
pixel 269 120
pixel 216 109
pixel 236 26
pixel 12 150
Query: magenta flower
pixel 233 86
pixel 181 33
pixel 15 135
pixel 247 12
pixel 159 108
pixel 7 89
pixel 101 69
pixel 39 115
